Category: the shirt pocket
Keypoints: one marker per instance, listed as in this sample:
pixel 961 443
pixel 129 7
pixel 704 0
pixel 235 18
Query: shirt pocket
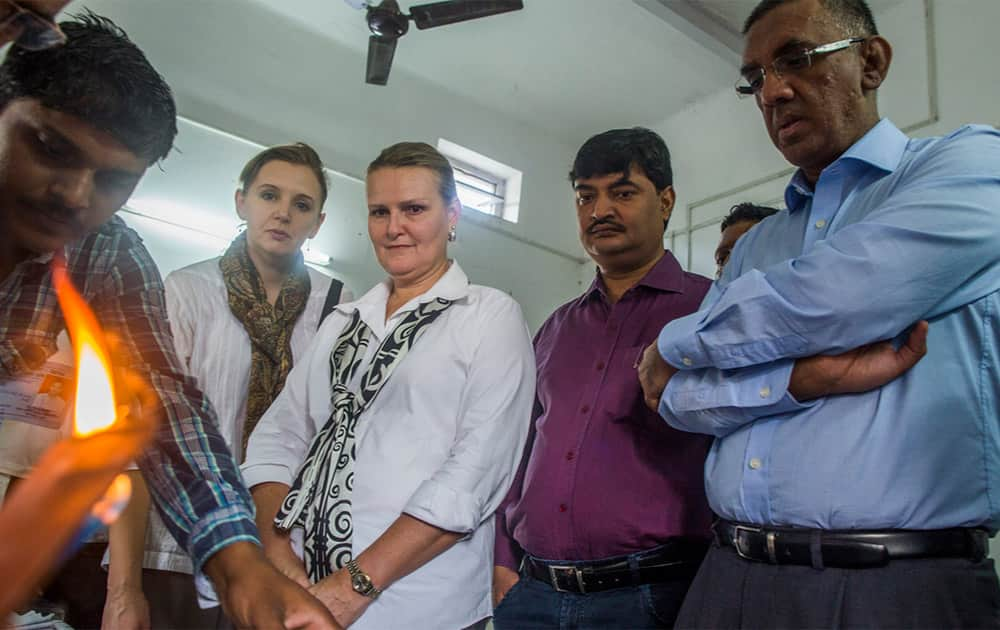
pixel 621 393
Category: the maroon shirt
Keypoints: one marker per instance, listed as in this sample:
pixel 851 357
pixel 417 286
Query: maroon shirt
pixel 602 475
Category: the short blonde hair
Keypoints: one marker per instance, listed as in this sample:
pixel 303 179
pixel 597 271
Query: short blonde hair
pixel 423 155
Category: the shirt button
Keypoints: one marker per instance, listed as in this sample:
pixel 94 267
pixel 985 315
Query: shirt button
pixel 569 456
pixel 600 365
pixel 686 361
pixel 755 463
pixel 585 408
pixel 563 507
pixel 820 224
pixel 765 392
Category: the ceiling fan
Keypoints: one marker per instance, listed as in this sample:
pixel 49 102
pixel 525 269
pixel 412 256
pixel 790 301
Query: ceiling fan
pixel 388 23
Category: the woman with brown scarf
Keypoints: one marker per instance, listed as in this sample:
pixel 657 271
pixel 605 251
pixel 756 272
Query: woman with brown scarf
pixel 239 321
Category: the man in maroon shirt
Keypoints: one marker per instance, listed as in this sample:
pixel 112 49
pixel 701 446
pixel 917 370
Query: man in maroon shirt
pixel 607 521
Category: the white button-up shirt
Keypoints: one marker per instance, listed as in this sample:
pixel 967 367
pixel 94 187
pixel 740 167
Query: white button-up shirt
pixel 440 442
pixel 215 349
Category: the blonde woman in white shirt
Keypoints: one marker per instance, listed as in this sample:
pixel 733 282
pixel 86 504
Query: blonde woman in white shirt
pixel 377 470
pixel 239 322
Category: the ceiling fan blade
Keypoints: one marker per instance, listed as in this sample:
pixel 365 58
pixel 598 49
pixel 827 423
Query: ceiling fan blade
pixel 380 53
pixel 452 11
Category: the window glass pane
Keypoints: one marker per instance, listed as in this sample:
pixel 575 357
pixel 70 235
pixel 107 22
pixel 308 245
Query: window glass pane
pixel 478 200
pixel 473 181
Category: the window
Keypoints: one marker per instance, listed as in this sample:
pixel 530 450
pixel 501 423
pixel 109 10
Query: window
pixel 483 184
pixel 478 191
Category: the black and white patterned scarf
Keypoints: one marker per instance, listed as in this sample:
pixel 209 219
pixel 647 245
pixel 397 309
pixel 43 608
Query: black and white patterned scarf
pixel 320 499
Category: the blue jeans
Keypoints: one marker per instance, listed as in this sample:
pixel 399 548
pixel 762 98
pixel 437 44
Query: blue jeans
pixel 531 603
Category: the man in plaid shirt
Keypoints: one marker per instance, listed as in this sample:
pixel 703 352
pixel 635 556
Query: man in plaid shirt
pixel 79 125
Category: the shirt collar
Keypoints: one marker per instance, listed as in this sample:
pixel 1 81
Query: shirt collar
pixel 666 275
pixel 880 149
pixel 452 286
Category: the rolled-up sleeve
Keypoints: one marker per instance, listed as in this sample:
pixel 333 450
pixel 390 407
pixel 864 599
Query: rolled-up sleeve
pixel 493 424
pixel 190 471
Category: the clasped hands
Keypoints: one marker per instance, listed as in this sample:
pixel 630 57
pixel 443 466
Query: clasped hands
pixel 855 371
pixel 334 592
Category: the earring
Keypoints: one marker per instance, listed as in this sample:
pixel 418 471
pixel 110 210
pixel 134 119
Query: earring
pixel 452 236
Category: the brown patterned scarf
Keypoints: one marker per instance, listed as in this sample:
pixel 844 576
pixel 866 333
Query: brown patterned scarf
pixel 269 327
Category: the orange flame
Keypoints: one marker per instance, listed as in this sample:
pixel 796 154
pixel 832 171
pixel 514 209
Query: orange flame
pixel 95 394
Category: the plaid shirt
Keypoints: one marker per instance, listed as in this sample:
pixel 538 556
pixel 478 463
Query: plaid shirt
pixel 190 470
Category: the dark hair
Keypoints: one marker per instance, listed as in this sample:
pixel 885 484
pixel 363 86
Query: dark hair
pixel 100 76
pixel 422 155
pixel 854 16
pixel 298 153
pixel 747 212
pixel 617 150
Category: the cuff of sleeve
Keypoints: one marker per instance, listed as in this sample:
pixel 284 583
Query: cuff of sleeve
pixel 685 344
pixel 221 528
pixel 671 343
pixel 254 474
pixel 506 552
pixel 759 386
pixel 213 532
pixel 716 402
pixel 441 506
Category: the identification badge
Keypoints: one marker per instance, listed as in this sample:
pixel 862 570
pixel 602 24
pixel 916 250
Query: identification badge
pixel 34 410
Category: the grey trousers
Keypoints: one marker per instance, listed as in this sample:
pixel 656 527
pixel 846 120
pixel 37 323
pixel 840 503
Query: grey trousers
pixel 932 593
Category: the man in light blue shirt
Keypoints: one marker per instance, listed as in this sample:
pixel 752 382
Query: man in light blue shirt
pixel 858 488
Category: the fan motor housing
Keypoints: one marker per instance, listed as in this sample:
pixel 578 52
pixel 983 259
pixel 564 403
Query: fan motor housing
pixel 387 22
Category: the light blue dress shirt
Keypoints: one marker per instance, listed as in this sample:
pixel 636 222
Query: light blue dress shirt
pixel 895 231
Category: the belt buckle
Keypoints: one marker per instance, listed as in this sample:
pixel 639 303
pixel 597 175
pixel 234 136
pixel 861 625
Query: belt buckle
pixel 737 529
pixel 565 567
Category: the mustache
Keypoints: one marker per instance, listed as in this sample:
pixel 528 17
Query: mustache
pixel 780 117
pixel 604 222
pixel 59 212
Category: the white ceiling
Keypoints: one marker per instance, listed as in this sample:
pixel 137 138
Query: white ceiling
pixel 567 67
pixel 570 66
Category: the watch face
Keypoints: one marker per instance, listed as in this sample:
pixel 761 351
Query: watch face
pixel 361 583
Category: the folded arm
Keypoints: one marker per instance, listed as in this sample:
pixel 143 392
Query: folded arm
pixel 928 249
pixel 717 402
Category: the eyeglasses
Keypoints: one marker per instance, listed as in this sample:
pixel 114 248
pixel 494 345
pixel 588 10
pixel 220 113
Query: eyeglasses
pixel 30 30
pixel 751 80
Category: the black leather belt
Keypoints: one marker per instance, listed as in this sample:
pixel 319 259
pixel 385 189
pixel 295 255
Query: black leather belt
pixel 848 549
pixel 673 561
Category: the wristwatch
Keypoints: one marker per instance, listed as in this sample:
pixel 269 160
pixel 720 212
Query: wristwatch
pixel 361 582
